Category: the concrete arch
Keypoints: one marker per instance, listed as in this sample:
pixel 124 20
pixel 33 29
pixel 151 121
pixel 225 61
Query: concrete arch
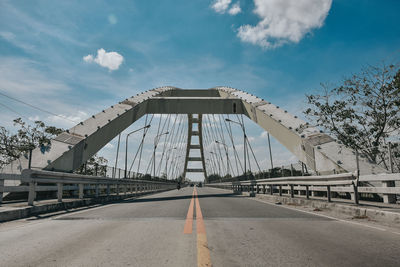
pixel 73 147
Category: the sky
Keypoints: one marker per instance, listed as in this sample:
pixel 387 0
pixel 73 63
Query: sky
pixel 75 58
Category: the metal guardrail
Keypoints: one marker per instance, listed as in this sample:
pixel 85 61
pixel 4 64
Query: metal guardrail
pixel 70 182
pixel 335 183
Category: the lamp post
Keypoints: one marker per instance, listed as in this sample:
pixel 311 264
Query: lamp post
pixel 226 153
pixel 166 162
pixel 175 169
pixel 244 143
pixel 212 166
pixel 114 171
pixel 126 148
pixel 208 163
pixel 219 165
pixel 270 155
pixel 252 194
pixel 156 140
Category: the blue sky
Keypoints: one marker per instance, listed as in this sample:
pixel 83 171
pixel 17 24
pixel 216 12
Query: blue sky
pixel 277 50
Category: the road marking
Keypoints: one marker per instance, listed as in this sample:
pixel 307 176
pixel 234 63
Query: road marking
pixel 189 217
pixel 203 252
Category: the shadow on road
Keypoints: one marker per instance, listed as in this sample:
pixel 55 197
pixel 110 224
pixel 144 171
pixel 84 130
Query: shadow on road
pixel 175 198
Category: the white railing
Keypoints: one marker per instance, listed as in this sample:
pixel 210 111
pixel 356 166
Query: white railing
pixel 33 181
pixel 329 184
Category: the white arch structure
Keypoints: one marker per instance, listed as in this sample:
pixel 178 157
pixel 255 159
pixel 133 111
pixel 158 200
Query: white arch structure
pixel 75 146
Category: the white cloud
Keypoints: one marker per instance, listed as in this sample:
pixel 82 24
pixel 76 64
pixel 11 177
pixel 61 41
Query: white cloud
pixel 110 60
pixel 9 36
pixel 70 120
pixel 21 77
pixel 284 21
pixel 220 6
pixel 112 19
pixel 34 118
pixel 109 146
pixel 88 58
pixel 235 9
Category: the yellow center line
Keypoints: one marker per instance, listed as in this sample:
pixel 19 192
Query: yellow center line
pixel 203 253
pixel 189 217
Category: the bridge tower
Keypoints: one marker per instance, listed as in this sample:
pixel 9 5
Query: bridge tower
pixel 192 146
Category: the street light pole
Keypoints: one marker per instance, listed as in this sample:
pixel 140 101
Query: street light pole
pixel 126 148
pixel 219 165
pixel 226 153
pixel 244 143
pixel 116 157
pixel 154 151
pixel 210 166
pixel 252 194
pixel 166 162
pixel 270 153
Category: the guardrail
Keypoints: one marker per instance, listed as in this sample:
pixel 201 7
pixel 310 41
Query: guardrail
pixel 33 181
pixel 328 184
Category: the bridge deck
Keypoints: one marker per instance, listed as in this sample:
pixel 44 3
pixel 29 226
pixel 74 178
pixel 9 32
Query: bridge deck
pixel 237 231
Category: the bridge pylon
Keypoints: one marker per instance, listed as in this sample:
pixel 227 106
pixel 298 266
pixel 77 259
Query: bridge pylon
pixel 193 146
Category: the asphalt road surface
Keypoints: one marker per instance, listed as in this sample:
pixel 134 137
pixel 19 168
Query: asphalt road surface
pixel 194 227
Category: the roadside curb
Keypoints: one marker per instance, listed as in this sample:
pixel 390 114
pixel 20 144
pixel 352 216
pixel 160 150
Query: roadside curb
pixel 376 214
pixel 29 211
pixel 335 209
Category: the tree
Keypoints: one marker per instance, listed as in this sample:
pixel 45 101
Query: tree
pixel 28 137
pixel 96 165
pixel 12 146
pixel 362 112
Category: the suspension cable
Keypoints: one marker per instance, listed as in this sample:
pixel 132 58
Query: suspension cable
pixel 140 148
pixel 237 159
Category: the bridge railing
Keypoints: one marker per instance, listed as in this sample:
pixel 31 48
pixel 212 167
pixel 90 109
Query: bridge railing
pixel 118 173
pixel 34 181
pixel 325 185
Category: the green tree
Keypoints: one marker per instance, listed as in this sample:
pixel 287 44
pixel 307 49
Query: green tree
pixel 96 165
pixel 27 137
pixel 362 112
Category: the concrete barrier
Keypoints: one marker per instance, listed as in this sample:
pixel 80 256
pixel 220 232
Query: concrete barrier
pixel 39 209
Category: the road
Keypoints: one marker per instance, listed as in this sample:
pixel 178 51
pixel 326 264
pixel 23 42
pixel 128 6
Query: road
pixel 194 228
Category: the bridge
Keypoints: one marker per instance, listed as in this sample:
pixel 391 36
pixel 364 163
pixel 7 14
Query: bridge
pixel 135 215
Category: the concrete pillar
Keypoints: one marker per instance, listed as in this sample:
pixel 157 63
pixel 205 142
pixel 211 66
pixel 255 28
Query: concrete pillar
pixel 354 195
pixel 108 190
pixel 59 192
pixel 271 189
pixel 1 190
pixel 307 192
pixel 32 193
pixel 80 186
pixel 389 198
pixel 291 191
pixel 328 193
pixel 280 190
